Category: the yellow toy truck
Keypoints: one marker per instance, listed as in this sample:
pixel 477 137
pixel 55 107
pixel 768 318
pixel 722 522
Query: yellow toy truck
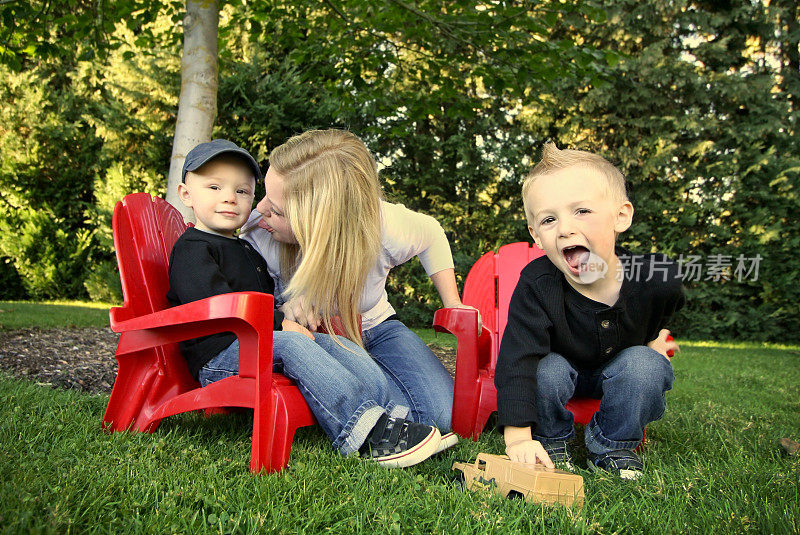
pixel 532 482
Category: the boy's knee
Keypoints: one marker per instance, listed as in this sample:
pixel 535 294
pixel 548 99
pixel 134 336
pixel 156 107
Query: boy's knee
pixel 642 368
pixel 555 376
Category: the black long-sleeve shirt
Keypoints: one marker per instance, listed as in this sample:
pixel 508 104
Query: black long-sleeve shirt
pixel 203 264
pixel 547 315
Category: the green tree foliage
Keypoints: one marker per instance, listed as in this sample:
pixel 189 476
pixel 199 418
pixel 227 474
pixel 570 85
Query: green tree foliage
pixel 63 30
pixel 46 182
pixel 702 118
pixel 432 87
pixel 77 136
pixel 697 102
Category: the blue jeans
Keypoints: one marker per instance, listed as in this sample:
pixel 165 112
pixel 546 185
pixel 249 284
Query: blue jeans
pixel 417 379
pixel 345 389
pixel 631 390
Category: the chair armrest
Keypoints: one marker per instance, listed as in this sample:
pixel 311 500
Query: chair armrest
pixel 473 352
pixel 463 323
pixel 250 307
pixel 249 315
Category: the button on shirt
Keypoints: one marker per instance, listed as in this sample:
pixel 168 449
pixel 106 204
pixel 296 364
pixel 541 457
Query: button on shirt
pixel 547 315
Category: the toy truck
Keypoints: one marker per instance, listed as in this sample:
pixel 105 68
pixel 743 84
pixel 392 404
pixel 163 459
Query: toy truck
pixel 533 482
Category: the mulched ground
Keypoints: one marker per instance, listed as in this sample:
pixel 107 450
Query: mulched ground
pixel 62 358
pixel 82 359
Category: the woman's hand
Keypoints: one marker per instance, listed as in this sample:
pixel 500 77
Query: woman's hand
pixel 289 325
pixel 299 311
pixel 445 282
pixel 480 320
pixel 664 344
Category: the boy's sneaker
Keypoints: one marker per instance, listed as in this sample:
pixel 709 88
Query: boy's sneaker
pixel 560 453
pixel 448 441
pixel 624 463
pixel 397 443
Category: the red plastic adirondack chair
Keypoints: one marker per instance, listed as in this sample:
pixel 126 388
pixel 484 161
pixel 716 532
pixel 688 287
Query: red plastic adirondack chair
pixel 488 287
pixel 153 380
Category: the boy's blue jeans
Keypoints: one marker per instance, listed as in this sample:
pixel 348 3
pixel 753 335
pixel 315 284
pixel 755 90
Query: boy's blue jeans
pixel 346 390
pixel 631 388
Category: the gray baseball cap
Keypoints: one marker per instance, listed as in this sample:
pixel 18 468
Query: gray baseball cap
pixel 205 152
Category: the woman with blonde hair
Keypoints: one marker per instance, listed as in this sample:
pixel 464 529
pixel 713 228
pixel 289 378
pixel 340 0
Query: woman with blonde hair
pixel 330 240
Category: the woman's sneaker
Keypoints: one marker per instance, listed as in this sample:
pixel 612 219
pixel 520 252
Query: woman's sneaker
pixel 397 443
pixel 448 441
pixel 624 463
pixel 560 453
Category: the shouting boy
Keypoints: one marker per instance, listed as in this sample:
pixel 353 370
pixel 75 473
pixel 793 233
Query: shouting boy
pixel 587 319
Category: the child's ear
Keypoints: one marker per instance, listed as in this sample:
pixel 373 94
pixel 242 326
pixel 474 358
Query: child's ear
pixel 184 195
pixel 624 217
pixel 535 237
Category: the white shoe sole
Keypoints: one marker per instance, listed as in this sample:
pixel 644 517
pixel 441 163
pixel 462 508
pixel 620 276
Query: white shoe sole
pixel 415 455
pixel 565 465
pixel 448 441
pixel 630 475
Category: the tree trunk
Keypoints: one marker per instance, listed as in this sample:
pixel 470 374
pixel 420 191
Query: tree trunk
pixel 197 107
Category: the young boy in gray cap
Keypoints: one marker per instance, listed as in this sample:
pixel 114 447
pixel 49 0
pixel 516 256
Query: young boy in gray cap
pixel 345 389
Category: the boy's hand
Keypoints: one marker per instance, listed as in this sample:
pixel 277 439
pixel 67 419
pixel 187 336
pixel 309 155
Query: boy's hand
pixel 530 452
pixel 298 311
pixel 664 344
pixel 521 448
pixel 289 325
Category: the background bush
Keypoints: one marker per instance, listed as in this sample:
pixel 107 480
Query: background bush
pixel 696 102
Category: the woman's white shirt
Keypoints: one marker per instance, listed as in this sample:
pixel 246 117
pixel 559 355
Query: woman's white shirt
pixel 405 234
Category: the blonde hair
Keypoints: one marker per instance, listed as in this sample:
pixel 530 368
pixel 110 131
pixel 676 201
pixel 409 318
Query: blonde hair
pixel 331 198
pixel 555 159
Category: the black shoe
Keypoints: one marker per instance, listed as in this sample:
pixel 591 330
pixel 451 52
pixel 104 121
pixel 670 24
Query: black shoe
pixel 397 443
pixel 560 453
pixel 624 463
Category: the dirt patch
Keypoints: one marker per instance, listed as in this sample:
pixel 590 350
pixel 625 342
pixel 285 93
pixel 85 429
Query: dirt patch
pixel 61 358
pixel 83 359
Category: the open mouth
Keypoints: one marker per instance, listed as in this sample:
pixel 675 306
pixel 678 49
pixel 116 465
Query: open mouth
pixel 577 257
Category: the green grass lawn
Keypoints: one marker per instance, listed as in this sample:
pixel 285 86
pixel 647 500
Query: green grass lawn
pixel 22 314
pixel 712 466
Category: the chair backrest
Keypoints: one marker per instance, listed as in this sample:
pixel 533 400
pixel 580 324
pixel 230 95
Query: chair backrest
pixel 491 282
pixel 145 229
